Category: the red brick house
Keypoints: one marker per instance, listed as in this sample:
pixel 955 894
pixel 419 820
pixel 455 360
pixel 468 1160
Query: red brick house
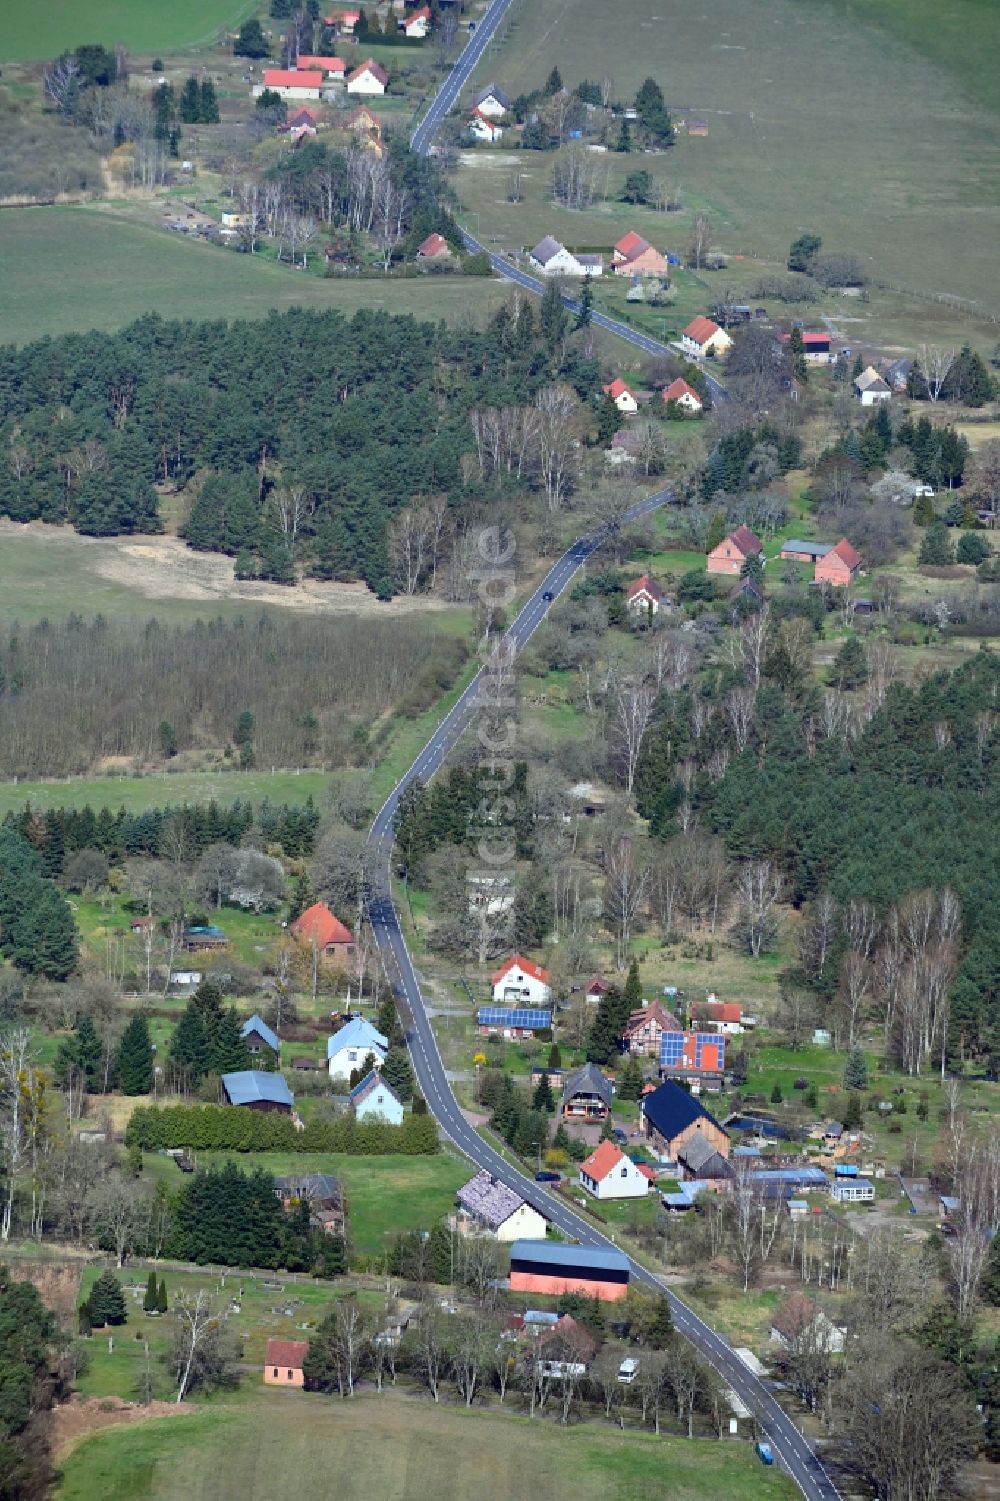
pixel 839 566
pixel 283 1362
pixel 317 925
pixel 733 551
pixel 634 256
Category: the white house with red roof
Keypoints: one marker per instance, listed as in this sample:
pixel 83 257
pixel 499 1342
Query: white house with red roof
pixel 725 1016
pixel 522 981
pixel 634 256
pixel 417 24
pixel 598 986
pixel 290 83
pixel 644 596
pixel 623 398
pixel 342 21
pixel 484 128
pixel 815 347
pixel 434 248
pixel 706 339
pixel 686 397
pixel 608 1174
pixel 368 78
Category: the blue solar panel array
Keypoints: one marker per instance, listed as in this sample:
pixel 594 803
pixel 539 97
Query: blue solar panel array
pixel 503 1016
pixel 672 1047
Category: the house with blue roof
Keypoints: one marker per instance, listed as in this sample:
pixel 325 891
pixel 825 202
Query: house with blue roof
pixel 257 1090
pixel 258 1035
pixel 373 1098
pixel 347 1049
pixel 673 1120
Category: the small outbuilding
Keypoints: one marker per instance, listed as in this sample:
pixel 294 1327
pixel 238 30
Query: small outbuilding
pixel 255 1090
pixel 283 1362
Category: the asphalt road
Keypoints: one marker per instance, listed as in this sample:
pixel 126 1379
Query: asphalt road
pixel 793 1450
pixel 422 140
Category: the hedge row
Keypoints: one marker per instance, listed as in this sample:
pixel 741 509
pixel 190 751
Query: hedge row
pixel 219 1128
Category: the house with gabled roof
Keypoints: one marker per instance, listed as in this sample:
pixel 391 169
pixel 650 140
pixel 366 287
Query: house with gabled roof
pixel 522 981
pixel 643 596
pixel 706 339
pixel 671 1116
pixel 492 101
pixel 839 566
pixel 283 1362
pixel 686 397
pixel 550 258
pixel 800 1321
pixel 608 1174
pixel 870 388
pixel 587 1095
pixel 318 926
pixel 488 1206
pixel 330 67
pixel 417 23
pixel 484 127
pixel 634 256
pixel 373 1098
pixel 258 1035
pixel 697 1057
pixel 347 1049
pixel 622 396
pixel 597 987
pixel 290 83
pixel 645 1028
pixel 434 248
pixel 733 551
pixel 368 77
pixel 256 1090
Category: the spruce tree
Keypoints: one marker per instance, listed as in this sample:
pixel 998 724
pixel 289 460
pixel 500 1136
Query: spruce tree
pixel 543 1098
pixel 936 549
pixel 150 1302
pixel 161 1296
pixel 555 1057
pixel 852 1114
pixel 135 1058
pixel 856 1069
pixel 776 1094
pixel 631 1084
pixel 633 988
pixel 586 304
pixel 107 1301
pixel 397 1071
pixel 604 1041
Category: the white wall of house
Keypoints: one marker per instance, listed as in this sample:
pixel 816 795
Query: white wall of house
pixel 343 1063
pixel 524 1224
pixel 379 1104
pixel 366 83
pixel 624 1182
pixel 524 989
pixel 287 92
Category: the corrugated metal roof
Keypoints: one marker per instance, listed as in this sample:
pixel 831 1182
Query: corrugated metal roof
pixel 358 1033
pixel 251 1085
pixel 568 1257
pixel 258 1025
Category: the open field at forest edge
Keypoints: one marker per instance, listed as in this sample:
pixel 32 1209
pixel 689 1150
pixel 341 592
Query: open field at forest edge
pixel 42 31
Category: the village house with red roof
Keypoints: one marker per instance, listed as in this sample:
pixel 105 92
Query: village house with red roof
pixel 839 566
pixel 521 981
pixel 733 551
pixel 623 398
pixel 634 256
pixel 484 127
pixel 608 1174
pixel 330 67
pixel 283 1361
pixel 646 1027
pixel 318 926
pixel 686 397
pixel 417 23
pixel 434 248
pixel 290 83
pixel 643 596
pixel 706 339
pixel 368 78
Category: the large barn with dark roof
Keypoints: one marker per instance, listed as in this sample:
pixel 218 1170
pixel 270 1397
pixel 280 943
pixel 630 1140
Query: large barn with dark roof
pixel 554 1269
pixel 671 1118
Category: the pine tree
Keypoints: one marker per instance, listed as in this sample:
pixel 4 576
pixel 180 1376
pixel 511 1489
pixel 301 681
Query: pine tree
pixel 397 1071
pixel 797 354
pixel 990 1285
pixel 624 136
pixel 717 530
pixel 107 1301
pixel 604 1041
pixel 555 1057
pixel 856 1069
pixel 302 895
pixel 553 316
pixel 190 102
pixel 632 1082
pixel 936 549
pixel 923 511
pixel 632 993
pixel 208 103
pixel 811 1097
pixel 586 304
pixel 149 1301
pixel 543 1098
pixel 554 83
pixel 776 1094
pixel 135 1058
pixel 161 1296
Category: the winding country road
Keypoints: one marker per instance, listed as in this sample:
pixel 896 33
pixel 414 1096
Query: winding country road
pixel 792 1449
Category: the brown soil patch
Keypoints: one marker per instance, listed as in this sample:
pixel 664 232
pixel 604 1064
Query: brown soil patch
pixel 78 1418
pixel 58 1284
pixel 165 568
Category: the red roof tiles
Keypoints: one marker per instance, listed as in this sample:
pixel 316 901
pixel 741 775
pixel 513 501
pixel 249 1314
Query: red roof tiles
pixel 289 1353
pixel 318 925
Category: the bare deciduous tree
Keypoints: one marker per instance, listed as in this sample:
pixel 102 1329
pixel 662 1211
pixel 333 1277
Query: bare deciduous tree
pixel 936 361
pixel 758 889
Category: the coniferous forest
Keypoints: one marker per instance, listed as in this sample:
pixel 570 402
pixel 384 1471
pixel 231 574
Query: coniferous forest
pixel 296 438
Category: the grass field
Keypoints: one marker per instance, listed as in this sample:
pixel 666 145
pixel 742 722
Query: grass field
pixel 31 33
pixel 819 118
pixel 400 1448
pixel 159 789
pixel 68 269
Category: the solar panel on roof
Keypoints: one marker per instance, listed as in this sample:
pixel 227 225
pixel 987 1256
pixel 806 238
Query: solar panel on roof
pixel 502 1016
